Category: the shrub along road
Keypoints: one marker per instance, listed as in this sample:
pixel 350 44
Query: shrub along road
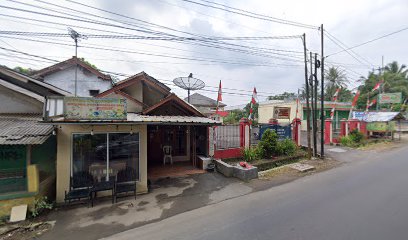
pixel 364 199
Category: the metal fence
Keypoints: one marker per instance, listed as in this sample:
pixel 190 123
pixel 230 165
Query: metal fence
pixel 227 137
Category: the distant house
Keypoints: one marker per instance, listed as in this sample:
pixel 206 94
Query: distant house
pixel 285 111
pixel 141 118
pixel 27 148
pixel 90 81
pixel 208 106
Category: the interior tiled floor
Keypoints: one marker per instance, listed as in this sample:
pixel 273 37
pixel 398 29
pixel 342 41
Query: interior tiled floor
pixel 176 169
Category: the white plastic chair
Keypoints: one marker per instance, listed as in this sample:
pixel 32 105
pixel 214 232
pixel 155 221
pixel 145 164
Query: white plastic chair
pixel 167 154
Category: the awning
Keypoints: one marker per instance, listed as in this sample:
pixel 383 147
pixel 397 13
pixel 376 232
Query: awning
pixel 378 116
pixel 134 118
pixel 25 130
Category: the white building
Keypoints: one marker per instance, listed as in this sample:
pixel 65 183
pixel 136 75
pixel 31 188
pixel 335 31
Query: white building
pixel 90 81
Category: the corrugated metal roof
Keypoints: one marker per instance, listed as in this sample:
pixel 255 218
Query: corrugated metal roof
pixel 23 130
pixel 199 100
pixel 134 118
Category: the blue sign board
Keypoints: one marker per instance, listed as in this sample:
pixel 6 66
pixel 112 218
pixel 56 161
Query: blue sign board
pixel 282 131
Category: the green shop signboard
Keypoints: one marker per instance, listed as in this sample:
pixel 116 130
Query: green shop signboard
pixel 77 108
pixel 390 98
pixel 381 126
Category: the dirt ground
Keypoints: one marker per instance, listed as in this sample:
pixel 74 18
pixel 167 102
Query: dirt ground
pixel 25 230
pixel 381 145
pixel 287 172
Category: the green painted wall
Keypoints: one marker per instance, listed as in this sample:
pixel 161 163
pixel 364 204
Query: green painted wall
pixel 13 167
pixel 45 156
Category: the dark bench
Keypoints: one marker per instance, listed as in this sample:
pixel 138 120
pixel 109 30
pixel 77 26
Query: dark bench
pixel 125 182
pixel 81 184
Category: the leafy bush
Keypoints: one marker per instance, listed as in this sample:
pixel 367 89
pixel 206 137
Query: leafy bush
pixel 356 136
pixel 268 144
pixel 347 141
pixel 250 154
pixel 39 205
pixel 354 139
pixel 286 147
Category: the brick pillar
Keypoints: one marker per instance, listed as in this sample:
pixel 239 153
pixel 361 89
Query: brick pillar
pixel 296 130
pixel 244 132
pixel 343 127
pixel 354 124
pixel 363 128
pixel 211 141
pixel 328 131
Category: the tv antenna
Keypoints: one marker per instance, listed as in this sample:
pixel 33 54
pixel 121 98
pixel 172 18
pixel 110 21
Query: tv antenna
pixel 189 83
pixel 76 36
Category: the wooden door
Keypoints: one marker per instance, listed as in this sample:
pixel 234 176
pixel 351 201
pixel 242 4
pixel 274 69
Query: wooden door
pixel 154 147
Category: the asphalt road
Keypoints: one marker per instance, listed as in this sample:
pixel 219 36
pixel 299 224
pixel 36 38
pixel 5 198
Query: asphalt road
pixel 364 199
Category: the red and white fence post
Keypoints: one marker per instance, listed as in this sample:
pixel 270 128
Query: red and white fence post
pixel 244 132
pixel 328 131
pixel 296 130
pixel 344 128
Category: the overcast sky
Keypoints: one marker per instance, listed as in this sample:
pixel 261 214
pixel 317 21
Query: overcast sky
pixel 351 22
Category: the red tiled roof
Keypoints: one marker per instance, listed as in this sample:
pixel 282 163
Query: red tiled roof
pixel 67 63
pixel 173 97
pixel 142 76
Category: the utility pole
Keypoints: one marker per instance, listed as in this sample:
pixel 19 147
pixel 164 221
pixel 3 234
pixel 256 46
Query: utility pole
pixel 75 35
pixel 312 98
pixel 322 95
pixel 316 66
pixel 309 151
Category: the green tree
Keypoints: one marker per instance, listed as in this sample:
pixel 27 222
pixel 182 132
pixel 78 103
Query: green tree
pixel 283 96
pixel 395 78
pixel 334 79
pixel 254 112
pixel 25 71
pixel 234 116
pixel 88 63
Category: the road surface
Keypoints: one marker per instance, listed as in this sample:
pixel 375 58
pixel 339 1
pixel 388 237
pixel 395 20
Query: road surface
pixel 364 199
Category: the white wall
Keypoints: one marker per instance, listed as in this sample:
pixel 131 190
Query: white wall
pixel 13 102
pixel 65 79
pixel 266 111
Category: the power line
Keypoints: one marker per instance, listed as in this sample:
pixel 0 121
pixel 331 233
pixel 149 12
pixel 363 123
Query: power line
pixel 225 20
pixel 32 55
pixel 251 14
pixel 87 46
pixel 131 36
pixel 344 46
pixel 167 47
pixel 370 41
pixel 206 43
pixel 335 42
pixel 166 80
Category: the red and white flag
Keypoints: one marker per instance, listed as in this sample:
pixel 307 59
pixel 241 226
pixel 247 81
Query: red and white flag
pixel 370 104
pixel 377 86
pixel 253 101
pixel 332 112
pixel 336 95
pixel 219 98
pixel 353 104
pixel 254 96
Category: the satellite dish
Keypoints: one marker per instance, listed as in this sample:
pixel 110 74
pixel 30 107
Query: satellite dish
pixel 189 83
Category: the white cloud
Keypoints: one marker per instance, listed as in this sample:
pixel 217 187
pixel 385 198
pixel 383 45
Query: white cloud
pixel 352 22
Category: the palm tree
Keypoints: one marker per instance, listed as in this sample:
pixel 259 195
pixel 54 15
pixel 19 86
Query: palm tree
pixel 335 78
pixel 396 69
